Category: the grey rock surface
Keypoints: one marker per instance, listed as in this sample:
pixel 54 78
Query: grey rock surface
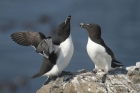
pixel 117 81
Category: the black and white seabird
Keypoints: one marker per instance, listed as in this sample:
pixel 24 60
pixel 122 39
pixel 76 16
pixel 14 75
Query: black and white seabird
pixel 100 54
pixel 57 51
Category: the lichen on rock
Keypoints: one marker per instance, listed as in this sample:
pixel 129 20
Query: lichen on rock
pixel 117 81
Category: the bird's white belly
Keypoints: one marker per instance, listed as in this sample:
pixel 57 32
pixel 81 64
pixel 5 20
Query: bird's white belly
pixel 65 53
pixel 98 55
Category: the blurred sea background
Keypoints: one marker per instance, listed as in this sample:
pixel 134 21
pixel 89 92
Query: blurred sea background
pixel 119 21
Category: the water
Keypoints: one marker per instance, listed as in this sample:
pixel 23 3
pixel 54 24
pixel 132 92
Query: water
pixel 119 21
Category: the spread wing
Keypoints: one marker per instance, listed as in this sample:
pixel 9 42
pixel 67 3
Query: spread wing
pixel 47 64
pixel 42 45
pixel 38 40
pixel 28 38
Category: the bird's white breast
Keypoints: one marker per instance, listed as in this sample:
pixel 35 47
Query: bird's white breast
pixel 98 55
pixel 65 50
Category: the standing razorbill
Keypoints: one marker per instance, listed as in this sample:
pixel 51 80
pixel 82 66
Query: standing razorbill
pixel 57 52
pixel 97 50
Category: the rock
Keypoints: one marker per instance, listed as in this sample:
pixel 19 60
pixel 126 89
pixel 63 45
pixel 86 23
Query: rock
pixel 134 74
pixel 117 81
pixel 130 68
pixel 138 64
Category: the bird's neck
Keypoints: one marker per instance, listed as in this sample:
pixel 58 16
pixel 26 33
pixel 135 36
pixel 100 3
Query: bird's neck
pixel 60 38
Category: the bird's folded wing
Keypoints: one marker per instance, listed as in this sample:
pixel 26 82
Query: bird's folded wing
pixel 109 51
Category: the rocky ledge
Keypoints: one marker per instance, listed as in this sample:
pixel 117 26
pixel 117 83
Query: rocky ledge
pixel 117 81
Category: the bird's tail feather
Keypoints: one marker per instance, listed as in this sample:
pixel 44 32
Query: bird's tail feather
pixel 37 75
pixel 116 64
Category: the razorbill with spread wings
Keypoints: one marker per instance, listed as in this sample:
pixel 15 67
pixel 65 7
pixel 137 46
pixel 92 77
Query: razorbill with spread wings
pixel 100 54
pixel 57 51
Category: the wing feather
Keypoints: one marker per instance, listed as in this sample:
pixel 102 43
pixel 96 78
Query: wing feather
pixel 46 66
pixel 115 63
pixel 45 46
pixel 28 38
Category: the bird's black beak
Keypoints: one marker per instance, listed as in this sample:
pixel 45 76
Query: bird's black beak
pixel 68 19
pixel 83 25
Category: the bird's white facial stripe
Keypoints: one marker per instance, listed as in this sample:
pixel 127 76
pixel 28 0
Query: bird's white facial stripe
pixel 89 25
pixel 67 19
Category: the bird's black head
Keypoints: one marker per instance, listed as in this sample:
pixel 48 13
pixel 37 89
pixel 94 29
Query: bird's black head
pixel 94 30
pixel 64 28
